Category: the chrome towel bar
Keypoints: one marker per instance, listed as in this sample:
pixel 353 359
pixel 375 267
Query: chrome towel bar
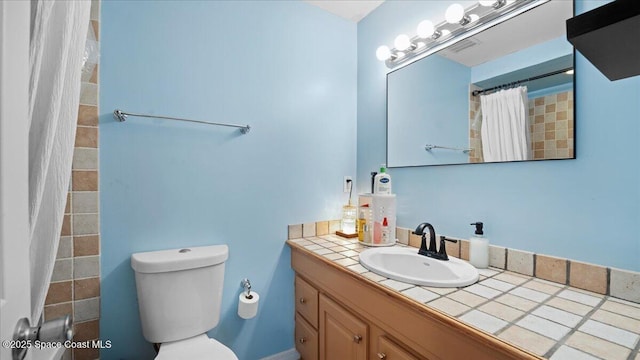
pixel 428 147
pixel 122 116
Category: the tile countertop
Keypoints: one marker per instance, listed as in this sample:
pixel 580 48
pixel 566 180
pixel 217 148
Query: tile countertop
pixel 549 319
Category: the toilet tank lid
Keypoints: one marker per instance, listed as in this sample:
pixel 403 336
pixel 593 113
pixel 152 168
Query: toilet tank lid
pixel 179 259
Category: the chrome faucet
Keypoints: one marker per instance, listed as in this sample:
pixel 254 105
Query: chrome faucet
pixel 432 252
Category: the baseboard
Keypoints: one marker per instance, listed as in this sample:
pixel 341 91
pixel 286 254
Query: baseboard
pixel 290 354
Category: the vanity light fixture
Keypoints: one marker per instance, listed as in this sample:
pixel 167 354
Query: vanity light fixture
pixel 460 24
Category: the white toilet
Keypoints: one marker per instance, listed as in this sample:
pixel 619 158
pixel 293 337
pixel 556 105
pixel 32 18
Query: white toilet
pixel 179 296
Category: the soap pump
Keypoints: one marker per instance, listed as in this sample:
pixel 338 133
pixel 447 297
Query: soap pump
pixel 479 248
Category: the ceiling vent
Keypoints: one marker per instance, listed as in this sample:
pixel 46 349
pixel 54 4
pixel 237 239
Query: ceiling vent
pixel 463 44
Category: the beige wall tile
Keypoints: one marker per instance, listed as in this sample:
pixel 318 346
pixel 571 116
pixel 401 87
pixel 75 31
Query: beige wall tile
pixel 551 268
pixel 84 310
pixel 86 224
pixel 85 180
pixel 453 249
pixel 309 229
pixel 520 262
pixel 625 285
pixel 88 115
pixel 67 207
pixel 86 245
pixel 62 270
pixel 86 137
pixel 85 159
pixel 402 235
pixel 464 249
pixel 86 353
pixel 85 202
pixel 322 228
pixel 588 276
pixel 86 288
pixel 88 94
pixel 86 267
pixel 497 256
pixel 415 240
pixel 95 10
pixel 334 225
pixel 59 292
pixel 57 310
pixel 88 330
pixel 295 231
pixel 66 226
pixel 65 247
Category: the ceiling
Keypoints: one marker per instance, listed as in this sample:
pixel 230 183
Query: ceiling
pixel 353 10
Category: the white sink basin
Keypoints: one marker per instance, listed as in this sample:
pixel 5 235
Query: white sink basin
pixel 405 264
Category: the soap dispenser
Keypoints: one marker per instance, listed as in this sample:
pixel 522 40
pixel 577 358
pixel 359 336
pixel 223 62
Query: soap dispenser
pixel 479 248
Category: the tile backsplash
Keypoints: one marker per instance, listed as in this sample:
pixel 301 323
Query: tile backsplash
pixel 618 283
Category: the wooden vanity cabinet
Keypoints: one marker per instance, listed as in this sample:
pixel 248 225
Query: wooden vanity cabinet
pixel 342 316
pixel 342 334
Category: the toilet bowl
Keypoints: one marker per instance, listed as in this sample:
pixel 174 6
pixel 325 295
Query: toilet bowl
pixel 179 297
pixel 199 347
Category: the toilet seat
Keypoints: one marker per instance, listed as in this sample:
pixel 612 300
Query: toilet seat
pixel 200 347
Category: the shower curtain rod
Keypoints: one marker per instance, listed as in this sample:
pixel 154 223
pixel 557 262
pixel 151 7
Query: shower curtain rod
pixel 478 92
pixel 122 116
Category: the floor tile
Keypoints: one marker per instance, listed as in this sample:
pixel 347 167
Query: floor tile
pixel 558 316
pixel 449 306
pixel 610 333
pixel 420 295
pixel 528 340
pixel 596 346
pixel 569 353
pixel 501 311
pixel 483 321
pixel 543 327
pixel 534 295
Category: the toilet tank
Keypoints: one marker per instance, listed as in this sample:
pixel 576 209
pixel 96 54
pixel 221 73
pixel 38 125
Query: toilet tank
pixel 179 291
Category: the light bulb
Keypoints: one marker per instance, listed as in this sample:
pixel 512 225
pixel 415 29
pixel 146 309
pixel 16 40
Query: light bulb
pixel 455 13
pixel 474 17
pixel 487 2
pixel 402 42
pixel 425 29
pixel 383 53
pixel 445 32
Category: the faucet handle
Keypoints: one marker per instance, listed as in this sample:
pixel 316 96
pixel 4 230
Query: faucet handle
pixel 442 251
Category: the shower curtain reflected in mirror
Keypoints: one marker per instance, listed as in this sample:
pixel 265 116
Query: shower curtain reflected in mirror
pixel 504 129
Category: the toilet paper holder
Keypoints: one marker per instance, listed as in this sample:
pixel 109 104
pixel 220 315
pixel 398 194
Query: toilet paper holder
pixel 246 284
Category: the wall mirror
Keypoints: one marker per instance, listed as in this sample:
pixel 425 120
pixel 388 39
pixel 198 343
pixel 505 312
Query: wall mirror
pixel 504 94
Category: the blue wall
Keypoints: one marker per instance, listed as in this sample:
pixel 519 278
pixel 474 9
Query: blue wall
pixel 586 209
pixel 286 68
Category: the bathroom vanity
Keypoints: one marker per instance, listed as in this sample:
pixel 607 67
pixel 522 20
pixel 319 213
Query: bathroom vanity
pixel 343 315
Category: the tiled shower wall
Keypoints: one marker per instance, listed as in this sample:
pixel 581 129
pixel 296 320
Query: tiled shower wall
pixel 75 284
pixel 550 126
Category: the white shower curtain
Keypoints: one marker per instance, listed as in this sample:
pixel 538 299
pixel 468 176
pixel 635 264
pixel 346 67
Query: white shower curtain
pixel 58 35
pixel 505 130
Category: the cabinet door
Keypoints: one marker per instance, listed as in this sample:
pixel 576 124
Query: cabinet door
pixel 342 335
pixel 306 339
pixel 388 350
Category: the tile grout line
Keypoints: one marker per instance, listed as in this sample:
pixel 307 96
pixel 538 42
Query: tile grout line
pixel 573 330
